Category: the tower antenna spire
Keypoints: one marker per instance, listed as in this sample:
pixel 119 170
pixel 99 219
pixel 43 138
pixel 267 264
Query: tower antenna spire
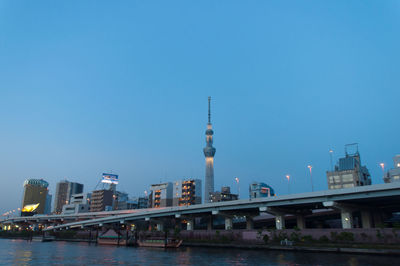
pixel 209 109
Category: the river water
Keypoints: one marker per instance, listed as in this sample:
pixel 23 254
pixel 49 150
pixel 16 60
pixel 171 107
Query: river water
pixel 22 252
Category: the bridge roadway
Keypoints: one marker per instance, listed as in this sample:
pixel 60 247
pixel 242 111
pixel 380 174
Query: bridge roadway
pixel 371 201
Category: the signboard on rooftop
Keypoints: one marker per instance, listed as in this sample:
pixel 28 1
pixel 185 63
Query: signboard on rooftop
pixel 110 178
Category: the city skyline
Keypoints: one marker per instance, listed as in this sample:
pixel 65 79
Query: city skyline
pixel 128 93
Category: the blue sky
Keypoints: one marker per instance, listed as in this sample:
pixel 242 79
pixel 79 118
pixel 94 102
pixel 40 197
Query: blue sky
pixel 92 86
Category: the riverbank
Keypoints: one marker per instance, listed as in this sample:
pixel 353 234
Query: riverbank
pixel 387 250
pixel 354 249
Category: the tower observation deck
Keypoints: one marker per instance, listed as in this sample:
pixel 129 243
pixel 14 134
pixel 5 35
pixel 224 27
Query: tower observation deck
pixel 209 152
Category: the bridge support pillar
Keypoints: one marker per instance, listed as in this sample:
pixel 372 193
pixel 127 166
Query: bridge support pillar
pixel 190 224
pixel 366 220
pixel 249 223
pixel 228 223
pixel 301 221
pixel 160 226
pixel 346 212
pixel 347 219
pixel 280 221
pixel 378 221
pixel 210 223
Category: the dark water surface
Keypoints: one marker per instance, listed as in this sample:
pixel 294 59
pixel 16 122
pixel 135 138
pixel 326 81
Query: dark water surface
pixel 21 252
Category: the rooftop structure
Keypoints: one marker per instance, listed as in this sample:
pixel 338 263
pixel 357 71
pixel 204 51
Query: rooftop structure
pixel 260 190
pixel 349 172
pixel 224 195
pixel 393 175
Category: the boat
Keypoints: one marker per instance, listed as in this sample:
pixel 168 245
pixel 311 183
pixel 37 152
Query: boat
pixel 111 237
pixel 160 243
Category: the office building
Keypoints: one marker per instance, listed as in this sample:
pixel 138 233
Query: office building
pixel 349 172
pixel 187 192
pixel 120 200
pixel 161 195
pixel 209 152
pixel 47 209
pixel 393 175
pixel 224 195
pixel 35 193
pixel 260 190
pixel 64 191
pixel 79 203
pixel 101 200
pixel 143 202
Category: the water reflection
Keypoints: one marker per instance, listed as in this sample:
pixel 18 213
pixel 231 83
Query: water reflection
pixel 66 253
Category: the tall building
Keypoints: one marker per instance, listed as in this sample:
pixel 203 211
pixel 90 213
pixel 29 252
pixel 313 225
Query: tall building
pixel 209 152
pixel 47 208
pixel 393 175
pixel 64 191
pixel 121 200
pixel 35 193
pixel 79 203
pixel 349 172
pixel 161 195
pixel 224 195
pixel 186 192
pixel 260 190
pixel 101 200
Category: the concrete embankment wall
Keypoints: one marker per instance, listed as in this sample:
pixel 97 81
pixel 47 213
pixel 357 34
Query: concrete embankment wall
pixel 356 235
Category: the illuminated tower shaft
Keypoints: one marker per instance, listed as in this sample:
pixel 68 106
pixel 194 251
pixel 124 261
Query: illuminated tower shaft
pixel 209 152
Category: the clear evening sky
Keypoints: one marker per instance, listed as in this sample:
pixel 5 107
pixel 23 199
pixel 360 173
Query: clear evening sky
pixel 92 86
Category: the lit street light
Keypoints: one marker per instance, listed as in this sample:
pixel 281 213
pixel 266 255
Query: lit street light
pixel 330 155
pixel 312 185
pixel 288 183
pixel 383 169
pixel 238 187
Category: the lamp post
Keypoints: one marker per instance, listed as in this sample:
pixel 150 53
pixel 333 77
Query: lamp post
pixel 312 185
pixel 288 183
pixel 383 169
pixel 238 187
pixel 330 155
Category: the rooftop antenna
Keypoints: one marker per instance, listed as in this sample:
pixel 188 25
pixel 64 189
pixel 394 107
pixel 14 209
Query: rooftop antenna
pixel 209 109
pixel 352 146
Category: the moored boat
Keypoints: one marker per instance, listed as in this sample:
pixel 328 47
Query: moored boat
pixel 160 243
pixel 111 238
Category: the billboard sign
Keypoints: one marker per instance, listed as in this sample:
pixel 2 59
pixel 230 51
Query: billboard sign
pixel 109 179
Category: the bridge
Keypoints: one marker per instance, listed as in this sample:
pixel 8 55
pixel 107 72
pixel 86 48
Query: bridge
pixel 371 201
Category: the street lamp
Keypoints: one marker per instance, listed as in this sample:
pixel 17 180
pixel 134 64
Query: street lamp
pixel 288 183
pixel 238 187
pixel 312 185
pixel 330 155
pixel 383 169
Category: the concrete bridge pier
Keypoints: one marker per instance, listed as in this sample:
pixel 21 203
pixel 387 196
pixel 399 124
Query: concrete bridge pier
pixel 280 221
pixel 228 223
pixel 346 212
pixel 249 223
pixel 190 224
pixel 210 223
pixel 366 219
pixel 301 221
pixel 160 226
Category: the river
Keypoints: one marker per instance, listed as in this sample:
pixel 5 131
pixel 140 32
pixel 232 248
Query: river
pixel 22 252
